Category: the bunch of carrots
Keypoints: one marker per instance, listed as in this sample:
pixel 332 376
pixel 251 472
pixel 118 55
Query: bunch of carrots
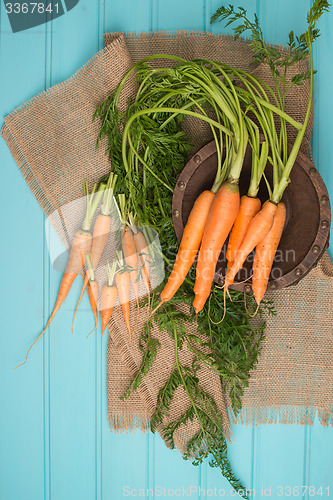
pixel 86 252
pixel 220 213
pixel 244 107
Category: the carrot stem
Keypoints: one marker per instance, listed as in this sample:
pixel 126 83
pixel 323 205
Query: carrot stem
pixel 281 186
pixel 90 267
pixel 108 194
pixel 91 203
pixel 111 271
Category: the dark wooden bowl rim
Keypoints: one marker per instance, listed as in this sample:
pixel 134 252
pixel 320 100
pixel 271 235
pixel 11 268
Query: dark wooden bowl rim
pixel 316 249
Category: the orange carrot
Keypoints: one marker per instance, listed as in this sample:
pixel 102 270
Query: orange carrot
pixel 129 248
pixel 189 244
pixel 100 234
pixel 221 217
pixel 250 203
pixel 265 253
pixel 100 237
pixel 249 207
pixel 258 228
pixel 108 296
pixel 80 247
pixel 142 250
pixel 92 290
pixel 141 246
pixel 122 282
pixel 131 259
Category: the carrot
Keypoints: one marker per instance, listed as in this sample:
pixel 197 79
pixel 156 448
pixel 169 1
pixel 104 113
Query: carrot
pixel 129 248
pixel 141 246
pixel 189 244
pixel 221 217
pixel 265 253
pixel 92 290
pixel 258 228
pixel 76 259
pixel 100 234
pixel 250 203
pixel 131 259
pixel 122 282
pixel 108 296
pixel 249 207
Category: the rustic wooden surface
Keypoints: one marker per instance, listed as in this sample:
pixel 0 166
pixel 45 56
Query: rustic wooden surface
pixel 55 442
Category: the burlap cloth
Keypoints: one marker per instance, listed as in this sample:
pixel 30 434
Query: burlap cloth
pixel 53 141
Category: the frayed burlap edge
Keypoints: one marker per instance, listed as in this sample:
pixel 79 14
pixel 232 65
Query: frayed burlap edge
pixel 286 415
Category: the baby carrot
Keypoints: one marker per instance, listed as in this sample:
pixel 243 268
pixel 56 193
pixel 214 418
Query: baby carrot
pixel 92 290
pixel 122 279
pixel 129 248
pixel 108 296
pixel 100 233
pixel 141 246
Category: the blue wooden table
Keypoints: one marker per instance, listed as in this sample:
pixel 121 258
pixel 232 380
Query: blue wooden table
pixel 55 442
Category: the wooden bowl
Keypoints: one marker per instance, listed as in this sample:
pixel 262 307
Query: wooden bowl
pixel 307 228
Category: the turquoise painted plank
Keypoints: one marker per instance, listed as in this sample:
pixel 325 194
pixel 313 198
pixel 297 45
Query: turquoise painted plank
pixel 320 439
pixel 279 18
pixel 125 458
pixel 174 15
pixel 75 39
pixel 279 454
pixel 320 460
pixel 323 105
pixel 21 392
pixel 274 468
pixel 73 359
pixel 241 451
pixel 125 465
pixel 172 472
pixel 128 15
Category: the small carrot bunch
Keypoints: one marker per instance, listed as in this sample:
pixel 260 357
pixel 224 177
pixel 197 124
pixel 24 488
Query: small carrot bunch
pixel 100 234
pixel 81 246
